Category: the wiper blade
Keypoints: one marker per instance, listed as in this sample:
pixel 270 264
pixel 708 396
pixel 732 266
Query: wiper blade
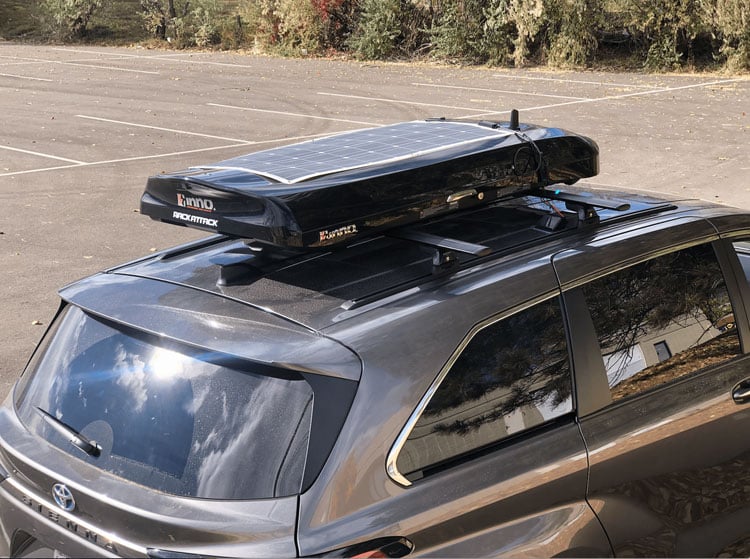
pixel 90 447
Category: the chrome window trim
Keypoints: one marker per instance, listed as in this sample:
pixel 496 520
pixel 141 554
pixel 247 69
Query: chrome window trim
pixel 392 458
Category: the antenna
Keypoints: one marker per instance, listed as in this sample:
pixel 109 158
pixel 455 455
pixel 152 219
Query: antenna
pixel 514 120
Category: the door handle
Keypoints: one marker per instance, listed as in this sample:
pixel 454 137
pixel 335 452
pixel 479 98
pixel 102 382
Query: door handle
pixel 741 392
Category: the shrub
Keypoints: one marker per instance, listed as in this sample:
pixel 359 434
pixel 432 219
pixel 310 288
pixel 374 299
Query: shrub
pixel 730 22
pixel 457 30
pixel 378 28
pixel 68 18
pixel 667 29
pixel 528 17
pixel 187 23
pixel 572 24
pixel 285 26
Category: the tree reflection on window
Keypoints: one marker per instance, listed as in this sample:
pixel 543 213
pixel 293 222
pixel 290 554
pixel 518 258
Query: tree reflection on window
pixel 513 375
pixel 678 301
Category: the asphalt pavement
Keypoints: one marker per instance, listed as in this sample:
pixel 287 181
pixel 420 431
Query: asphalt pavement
pixel 82 128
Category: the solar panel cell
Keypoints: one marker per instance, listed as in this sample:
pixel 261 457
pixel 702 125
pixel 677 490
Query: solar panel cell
pixel 360 148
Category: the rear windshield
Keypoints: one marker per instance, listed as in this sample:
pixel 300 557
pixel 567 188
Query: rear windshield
pixel 176 419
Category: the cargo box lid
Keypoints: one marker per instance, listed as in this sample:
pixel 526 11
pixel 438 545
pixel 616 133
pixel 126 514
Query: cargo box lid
pixel 338 188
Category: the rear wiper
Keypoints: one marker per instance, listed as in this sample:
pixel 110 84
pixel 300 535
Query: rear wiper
pixel 92 448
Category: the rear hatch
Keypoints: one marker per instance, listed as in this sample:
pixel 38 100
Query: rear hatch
pixel 156 419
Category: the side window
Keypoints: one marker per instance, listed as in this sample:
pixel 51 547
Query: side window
pixel 742 248
pixel 662 319
pixel 513 375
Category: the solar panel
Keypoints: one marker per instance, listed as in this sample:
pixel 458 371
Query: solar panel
pixel 360 148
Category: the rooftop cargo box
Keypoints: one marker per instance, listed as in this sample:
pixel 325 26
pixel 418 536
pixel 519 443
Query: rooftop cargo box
pixel 334 189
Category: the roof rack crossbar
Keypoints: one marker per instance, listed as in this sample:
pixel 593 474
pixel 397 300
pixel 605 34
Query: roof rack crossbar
pixel 444 256
pixel 437 241
pixel 583 200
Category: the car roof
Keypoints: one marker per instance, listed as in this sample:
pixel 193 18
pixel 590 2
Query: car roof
pixel 317 289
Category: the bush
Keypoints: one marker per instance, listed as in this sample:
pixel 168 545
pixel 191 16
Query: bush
pixel 286 26
pixel 730 22
pixel 68 18
pixel 528 17
pixel 666 28
pixel 457 30
pixel 188 23
pixel 378 28
pixel 572 24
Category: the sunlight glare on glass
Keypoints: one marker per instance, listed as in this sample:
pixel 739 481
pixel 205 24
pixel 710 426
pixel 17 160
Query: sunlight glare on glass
pixel 165 363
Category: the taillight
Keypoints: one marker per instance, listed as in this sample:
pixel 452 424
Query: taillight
pixel 381 547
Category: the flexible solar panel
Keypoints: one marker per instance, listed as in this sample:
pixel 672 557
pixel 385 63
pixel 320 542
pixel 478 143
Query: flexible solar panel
pixel 361 148
pixel 336 189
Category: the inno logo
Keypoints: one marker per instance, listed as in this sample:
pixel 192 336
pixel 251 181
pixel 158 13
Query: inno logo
pixel 195 203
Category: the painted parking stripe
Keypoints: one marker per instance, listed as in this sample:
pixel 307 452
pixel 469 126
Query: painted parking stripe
pixel 285 113
pixel 610 97
pixel 174 130
pixel 399 101
pixel 63 63
pixel 103 53
pixel 47 155
pixel 163 155
pixel 563 80
pixel 26 78
pixel 489 90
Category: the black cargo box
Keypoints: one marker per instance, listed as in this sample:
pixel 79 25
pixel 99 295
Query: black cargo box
pixel 334 189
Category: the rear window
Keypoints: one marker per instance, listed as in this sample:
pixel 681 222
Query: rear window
pixel 176 419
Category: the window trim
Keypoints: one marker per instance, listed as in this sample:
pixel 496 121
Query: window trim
pixel 393 454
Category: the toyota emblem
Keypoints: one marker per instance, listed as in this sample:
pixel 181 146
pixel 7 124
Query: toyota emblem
pixel 63 497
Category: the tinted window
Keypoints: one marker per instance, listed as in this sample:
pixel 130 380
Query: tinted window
pixel 513 375
pixel 181 421
pixel 662 319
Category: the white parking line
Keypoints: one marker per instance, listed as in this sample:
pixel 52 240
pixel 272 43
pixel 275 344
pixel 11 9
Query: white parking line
pixel 186 132
pixel 13 173
pixel 47 155
pixel 25 77
pixel 123 160
pixel 155 156
pixel 63 63
pixel 562 80
pixel 609 97
pixel 84 51
pixel 489 90
pixel 285 113
pixel 398 101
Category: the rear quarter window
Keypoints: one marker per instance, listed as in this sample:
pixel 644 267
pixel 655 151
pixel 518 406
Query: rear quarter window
pixel 512 376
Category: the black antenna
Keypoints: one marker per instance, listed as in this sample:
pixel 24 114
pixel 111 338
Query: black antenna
pixel 514 120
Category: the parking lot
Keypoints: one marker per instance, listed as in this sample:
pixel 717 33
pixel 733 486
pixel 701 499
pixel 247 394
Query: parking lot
pixel 82 128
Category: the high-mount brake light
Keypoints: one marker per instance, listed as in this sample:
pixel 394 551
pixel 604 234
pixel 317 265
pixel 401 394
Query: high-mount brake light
pixel 337 189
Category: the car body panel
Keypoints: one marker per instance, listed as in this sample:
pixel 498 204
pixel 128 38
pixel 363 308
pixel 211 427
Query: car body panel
pixel 668 468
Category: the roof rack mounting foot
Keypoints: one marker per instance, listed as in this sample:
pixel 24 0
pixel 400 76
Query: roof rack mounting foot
pixel 443 260
pixel 586 213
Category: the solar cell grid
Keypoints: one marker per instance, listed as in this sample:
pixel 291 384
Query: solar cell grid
pixel 360 148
